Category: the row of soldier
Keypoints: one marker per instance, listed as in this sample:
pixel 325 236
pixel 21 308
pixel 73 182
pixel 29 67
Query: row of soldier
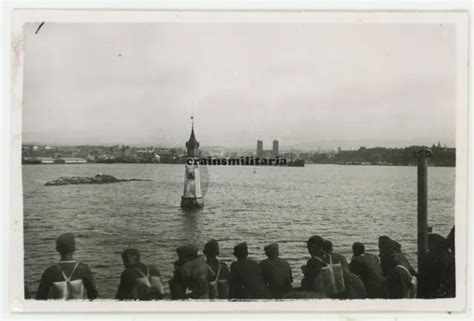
pixel 325 275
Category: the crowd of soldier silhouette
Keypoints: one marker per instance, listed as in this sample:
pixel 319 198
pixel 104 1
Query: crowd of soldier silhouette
pixel 327 274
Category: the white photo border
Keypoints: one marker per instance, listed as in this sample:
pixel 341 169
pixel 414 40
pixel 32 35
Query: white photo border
pixel 20 17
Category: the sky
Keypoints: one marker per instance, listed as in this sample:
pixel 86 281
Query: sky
pixel 308 85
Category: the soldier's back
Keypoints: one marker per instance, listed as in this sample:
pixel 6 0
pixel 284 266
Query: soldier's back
pixel 252 279
pixel 277 275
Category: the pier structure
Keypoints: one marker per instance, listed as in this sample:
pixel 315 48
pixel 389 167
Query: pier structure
pixel 423 228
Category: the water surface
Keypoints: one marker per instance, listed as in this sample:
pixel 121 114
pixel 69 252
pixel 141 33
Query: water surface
pixel 271 204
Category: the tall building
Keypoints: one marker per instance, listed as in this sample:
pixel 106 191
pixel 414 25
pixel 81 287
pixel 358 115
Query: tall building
pixel 192 145
pixel 261 153
pixel 275 148
pixel 259 148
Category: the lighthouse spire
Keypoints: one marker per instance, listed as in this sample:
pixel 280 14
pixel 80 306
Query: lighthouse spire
pixel 192 145
pixel 192 126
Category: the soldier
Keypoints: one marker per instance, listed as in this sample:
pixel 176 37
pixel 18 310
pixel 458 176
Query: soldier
pixel 176 284
pixel 276 272
pixel 190 273
pixel 438 279
pixel 401 284
pixel 384 253
pixel 315 263
pixel 246 280
pixel 387 247
pixel 67 279
pixel 336 257
pixel 217 272
pixel 138 281
pixel 367 267
pixel 340 283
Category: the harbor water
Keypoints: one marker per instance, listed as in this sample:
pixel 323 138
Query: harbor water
pixel 258 205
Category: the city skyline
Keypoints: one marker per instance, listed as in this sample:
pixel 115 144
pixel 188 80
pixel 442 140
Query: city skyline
pixel 137 85
pixel 230 148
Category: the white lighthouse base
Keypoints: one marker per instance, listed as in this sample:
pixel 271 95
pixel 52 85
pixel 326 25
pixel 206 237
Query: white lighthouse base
pixel 192 202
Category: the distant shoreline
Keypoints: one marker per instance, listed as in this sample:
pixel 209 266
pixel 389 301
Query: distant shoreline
pixel 441 155
pixel 308 164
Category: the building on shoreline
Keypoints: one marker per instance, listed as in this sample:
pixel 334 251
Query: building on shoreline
pixel 38 154
pixel 261 153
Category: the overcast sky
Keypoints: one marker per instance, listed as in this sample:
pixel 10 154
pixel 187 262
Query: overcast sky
pixel 307 85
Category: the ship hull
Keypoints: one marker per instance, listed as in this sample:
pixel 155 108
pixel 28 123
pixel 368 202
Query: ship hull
pixel 296 163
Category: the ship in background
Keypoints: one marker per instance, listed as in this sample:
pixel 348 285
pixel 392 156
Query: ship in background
pixel 295 162
pixel 192 194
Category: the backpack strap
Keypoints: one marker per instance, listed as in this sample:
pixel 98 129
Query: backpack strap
pixel 142 274
pixel 321 260
pixel 210 270
pixel 72 272
pixel 62 272
pixel 406 270
pixel 218 270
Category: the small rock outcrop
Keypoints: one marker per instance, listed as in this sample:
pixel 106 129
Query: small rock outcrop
pixel 97 179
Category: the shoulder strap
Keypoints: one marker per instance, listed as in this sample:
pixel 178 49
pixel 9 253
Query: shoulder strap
pixel 321 260
pixel 64 275
pixel 62 272
pixel 406 270
pixel 218 270
pixel 141 273
pixel 72 272
pixel 210 270
pixel 317 258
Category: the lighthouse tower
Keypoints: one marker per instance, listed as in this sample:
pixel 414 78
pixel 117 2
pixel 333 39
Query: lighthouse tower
pixel 192 145
pixel 192 194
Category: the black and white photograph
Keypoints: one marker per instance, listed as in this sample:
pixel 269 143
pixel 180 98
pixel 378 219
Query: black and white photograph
pixel 220 159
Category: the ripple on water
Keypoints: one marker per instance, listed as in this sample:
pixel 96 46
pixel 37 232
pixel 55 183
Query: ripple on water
pixel 286 205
